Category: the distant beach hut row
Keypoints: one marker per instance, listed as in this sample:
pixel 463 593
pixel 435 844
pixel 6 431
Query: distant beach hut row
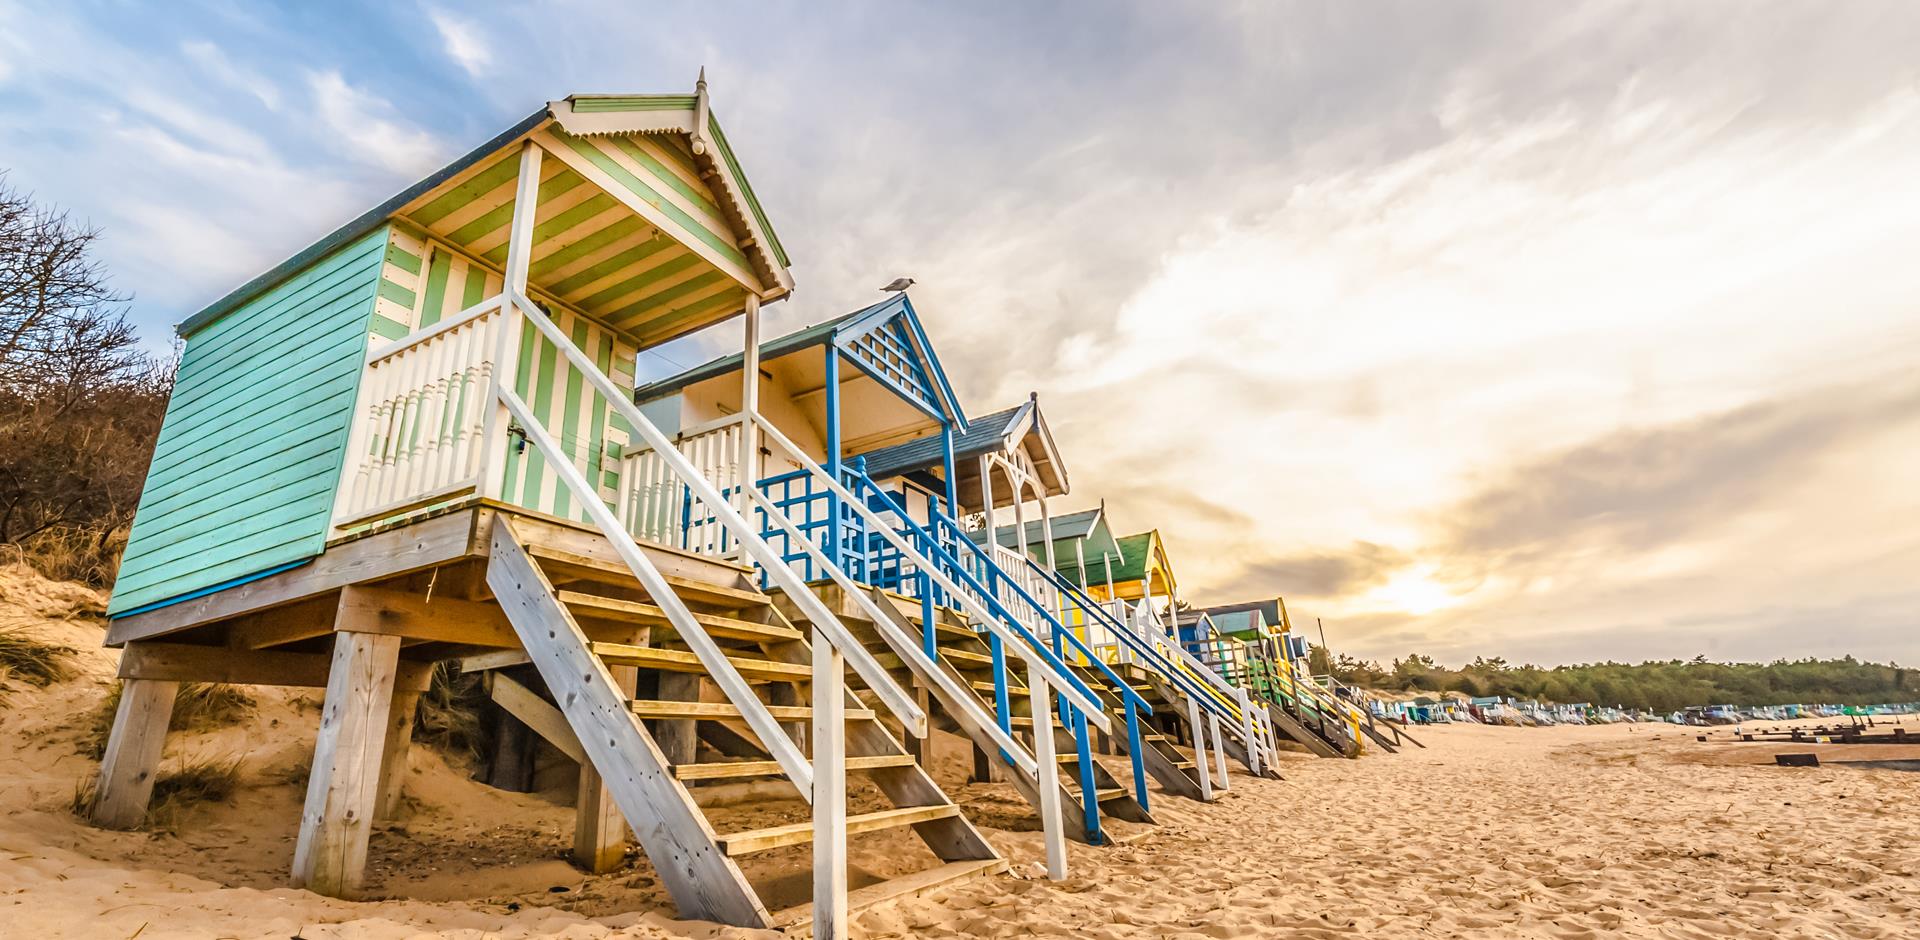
pixel 423 440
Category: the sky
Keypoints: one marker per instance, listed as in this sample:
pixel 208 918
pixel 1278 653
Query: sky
pixel 1558 332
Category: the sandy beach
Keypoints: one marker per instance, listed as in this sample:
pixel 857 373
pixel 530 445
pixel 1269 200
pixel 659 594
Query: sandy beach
pixel 1622 830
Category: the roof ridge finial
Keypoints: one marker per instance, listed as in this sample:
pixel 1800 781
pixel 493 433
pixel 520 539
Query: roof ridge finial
pixel 699 130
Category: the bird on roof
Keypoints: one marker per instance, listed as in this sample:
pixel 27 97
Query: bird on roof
pixel 899 284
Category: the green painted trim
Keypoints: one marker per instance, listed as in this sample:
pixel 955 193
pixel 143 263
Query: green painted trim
pixel 480 184
pixel 602 103
pixel 746 190
pixel 659 272
pixel 667 177
pixel 437 274
pixel 394 292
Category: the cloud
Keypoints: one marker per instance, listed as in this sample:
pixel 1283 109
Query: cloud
pixel 368 128
pixel 463 41
pixel 216 64
pixel 1327 573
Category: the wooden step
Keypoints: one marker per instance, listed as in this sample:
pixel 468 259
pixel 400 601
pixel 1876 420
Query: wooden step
pixel 1184 764
pixel 625 611
pixel 649 657
pixel 798 920
pixel 1013 688
pixel 769 768
pixel 726 711
pixel 558 561
pixel 1154 736
pixel 961 659
pixel 1109 793
pixel 760 840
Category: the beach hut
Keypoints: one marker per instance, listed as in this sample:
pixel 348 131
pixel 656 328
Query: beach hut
pixel 415 441
pixel 865 396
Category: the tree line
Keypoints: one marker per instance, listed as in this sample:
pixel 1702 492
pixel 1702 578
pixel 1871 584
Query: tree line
pixel 81 402
pixel 1660 686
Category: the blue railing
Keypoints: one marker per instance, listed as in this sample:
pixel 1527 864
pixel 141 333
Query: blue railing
pixel 973 569
pixel 1132 641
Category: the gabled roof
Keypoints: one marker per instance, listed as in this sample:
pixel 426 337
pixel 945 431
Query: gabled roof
pixel 1073 525
pixel 1138 554
pixel 1000 431
pixel 853 334
pixel 1268 610
pixel 651 162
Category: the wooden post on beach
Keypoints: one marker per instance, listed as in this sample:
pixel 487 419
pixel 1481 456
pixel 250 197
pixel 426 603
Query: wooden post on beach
pixel 393 752
pixel 1220 751
pixel 1199 748
pixel 829 790
pixel 133 751
pixel 342 788
pixel 1048 764
pixel 599 831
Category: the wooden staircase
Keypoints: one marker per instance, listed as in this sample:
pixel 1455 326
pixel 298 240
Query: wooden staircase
pixel 584 617
pixel 966 655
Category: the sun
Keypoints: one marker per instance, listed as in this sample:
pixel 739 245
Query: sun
pixel 1414 592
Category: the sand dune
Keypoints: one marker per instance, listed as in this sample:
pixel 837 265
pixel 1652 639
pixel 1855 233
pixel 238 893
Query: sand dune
pixel 1633 831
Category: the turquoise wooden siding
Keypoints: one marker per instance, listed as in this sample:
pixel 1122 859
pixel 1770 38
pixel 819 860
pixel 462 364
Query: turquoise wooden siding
pixel 244 474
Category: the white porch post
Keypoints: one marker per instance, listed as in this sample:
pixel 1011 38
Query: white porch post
pixel 749 404
pixel 526 196
pixel 986 500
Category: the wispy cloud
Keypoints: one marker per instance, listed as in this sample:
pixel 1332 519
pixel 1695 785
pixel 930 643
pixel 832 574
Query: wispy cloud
pixel 463 41
pixel 219 67
pixel 367 129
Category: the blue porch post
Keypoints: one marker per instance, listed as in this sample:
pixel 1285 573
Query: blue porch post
pixel 948 465
pixel 832 368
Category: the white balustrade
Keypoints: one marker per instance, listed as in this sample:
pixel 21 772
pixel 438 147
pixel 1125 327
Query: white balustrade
pixel 422 407
pixel 653 501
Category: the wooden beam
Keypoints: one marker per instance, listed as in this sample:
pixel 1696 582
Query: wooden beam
pixel 180 662
pixel 382 555
pixel 301 620
pixel 330 856
pixel 536 713
pixel 132 758
pixel 438 619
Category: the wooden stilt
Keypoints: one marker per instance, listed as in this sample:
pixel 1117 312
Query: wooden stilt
pixel 393 753
pixel 1199 737
pixel 1219 752
pixel 132 759
pixel 982 766
pixel 829 791
pixel 512 767
pixel 921 748
pixel 678 739
pixel 1043 755
pixel 599 831
pixel 331 855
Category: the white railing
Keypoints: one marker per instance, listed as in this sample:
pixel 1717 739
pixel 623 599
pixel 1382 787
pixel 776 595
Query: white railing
pixel 654 503
pixel 1013 564
pixel 423 405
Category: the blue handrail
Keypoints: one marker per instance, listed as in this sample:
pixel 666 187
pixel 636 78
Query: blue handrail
pixel 1059 630
pixel 1160 663
pixel 1074 719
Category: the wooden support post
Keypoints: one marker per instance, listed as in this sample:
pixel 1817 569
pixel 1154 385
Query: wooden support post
pixel 599 831
pixel 1219 751
pixel 1054 829
pixel 331 855
pixel 829 790
pixel 393 753
pixel 677 737
pixel 982 766
pixel 749 405
pixel 132 759
pixel 922 748
pixel 526 196
pixel 1198 733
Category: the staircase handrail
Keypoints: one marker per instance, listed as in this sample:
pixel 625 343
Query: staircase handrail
pixel 1131 639
pixel 753 711
pixel 1060 630
pixel 1055 672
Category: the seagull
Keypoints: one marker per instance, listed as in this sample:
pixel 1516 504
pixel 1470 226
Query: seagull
pixel 899 284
